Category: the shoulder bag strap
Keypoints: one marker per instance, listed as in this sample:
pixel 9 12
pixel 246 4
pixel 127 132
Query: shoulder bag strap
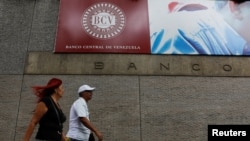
pixel 58 117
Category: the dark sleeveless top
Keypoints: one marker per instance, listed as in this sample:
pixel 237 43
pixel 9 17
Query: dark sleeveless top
pixel 51 124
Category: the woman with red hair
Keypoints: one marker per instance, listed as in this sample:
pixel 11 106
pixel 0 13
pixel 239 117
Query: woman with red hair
pixel 48 113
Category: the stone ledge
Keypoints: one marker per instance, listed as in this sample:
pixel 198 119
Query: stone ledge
pixel 136 64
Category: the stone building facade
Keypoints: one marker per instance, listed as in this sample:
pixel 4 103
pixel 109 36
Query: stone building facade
pixel 138 97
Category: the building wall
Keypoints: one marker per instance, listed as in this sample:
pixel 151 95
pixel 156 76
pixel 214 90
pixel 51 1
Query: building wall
pixel 142 105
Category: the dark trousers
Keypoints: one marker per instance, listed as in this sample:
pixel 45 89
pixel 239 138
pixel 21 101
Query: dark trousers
pixel 91 138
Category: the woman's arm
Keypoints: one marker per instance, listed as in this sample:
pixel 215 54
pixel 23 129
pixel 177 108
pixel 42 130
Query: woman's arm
pixel 41 109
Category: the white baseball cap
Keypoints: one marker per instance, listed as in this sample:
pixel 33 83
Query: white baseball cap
pixel 85 88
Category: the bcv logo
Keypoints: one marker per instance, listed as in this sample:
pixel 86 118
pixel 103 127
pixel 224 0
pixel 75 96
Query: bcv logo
pixel 103 20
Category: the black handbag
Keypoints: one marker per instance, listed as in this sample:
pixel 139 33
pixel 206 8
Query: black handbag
pixel 91 137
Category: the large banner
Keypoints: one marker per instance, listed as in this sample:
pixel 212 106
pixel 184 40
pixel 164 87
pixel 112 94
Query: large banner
pixel 189 27
pixel 110 26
